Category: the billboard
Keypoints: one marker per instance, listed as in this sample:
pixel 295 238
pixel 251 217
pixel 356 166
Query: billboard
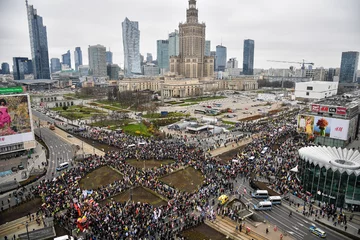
pixel 322 126
pixel 339 128
pixel 15 119
pixel 305 124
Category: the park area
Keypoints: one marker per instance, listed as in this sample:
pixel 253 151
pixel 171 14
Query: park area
pixel 99 177
pixel 188 179
pixel 77 112
pixel 139 194
pixel 148 163
pixel 202 232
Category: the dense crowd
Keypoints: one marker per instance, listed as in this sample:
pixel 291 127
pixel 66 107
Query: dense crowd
pixel 87 210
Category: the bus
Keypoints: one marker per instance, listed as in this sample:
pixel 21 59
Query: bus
pixel 262 206
pixel 260 194
pixel 62 166
pixel 275 200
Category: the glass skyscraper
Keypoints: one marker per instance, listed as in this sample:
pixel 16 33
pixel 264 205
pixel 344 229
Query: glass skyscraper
pixel 109 57
pixel 174 43
pixel 131 43
pixel 220 62
pixel 78 58
pixel 38 43
pixel 248 57
pixel 66 58
pixel 97 60
pixel 207 48
pixel 163 55
pixel 349 66
pixel 5 69
pixel 21 66
pixel 55 65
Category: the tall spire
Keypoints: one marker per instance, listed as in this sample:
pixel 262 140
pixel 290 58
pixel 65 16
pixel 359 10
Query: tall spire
pixel 192 12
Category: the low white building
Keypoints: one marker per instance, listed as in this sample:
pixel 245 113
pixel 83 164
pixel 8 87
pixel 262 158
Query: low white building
pixel 315 89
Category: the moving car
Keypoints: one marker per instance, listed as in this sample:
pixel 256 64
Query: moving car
pixel 262 206
pixel 317 231
pixel 223 199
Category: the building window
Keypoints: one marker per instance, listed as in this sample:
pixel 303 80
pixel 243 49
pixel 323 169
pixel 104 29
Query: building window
pixel 309 88
pixel 307 93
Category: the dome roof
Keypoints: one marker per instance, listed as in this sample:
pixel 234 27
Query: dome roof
pixel 336 159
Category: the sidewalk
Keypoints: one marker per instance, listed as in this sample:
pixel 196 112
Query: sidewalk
pixel 352 230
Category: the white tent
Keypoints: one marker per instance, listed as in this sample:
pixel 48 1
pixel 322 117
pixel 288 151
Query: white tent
pixel 295 169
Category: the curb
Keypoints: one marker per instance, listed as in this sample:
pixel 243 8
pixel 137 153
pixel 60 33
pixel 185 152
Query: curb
pixel 349 235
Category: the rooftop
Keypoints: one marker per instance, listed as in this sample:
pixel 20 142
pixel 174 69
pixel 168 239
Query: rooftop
pixel 35 81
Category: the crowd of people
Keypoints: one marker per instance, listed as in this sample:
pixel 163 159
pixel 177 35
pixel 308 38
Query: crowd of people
pixel 87 210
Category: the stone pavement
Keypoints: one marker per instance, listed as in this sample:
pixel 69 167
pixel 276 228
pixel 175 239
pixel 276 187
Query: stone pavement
pixel 257 230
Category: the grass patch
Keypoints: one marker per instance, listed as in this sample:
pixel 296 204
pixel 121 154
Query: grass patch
pixel 99 177
pixel 19 211
pixel 169 115
pixel 111 124
pixel 70 96
pixel 139 194
pixel 202 232
pixel 137 129
pixel 228 122
pixel 187 180
pixel 77 112
pixel 148 163
pixel 187 104
pixel 202 99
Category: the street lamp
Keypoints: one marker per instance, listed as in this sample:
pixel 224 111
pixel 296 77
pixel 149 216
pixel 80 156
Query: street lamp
pixel 27 230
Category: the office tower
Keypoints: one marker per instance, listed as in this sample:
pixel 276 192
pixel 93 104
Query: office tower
pixel 78 58
pixel 97 60
pixel 5 68
pixel 349 66
pixel 248 57
pixel 131 43
pixel 207 48
pixel 38 43
pixel 163 55
pixel 191 62
pixel 66 59
pixel 109 57
pixel 21 67
pixel 174 43
pixel 55 65
pixel 150 69
pixel 213 54
pixel 84 70
pixel 149 58
pixel 220 62
pixel 232 63
pixel 113 71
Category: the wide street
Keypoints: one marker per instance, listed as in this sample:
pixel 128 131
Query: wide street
pixel 59 150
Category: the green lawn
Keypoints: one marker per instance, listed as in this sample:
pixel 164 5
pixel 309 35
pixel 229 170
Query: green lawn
pixel 228 122
pixel 77 112
pixel 99 177
pixel 202 99
pixel 187 104
pixel 137 129
pixel 111 124
pixel 169 115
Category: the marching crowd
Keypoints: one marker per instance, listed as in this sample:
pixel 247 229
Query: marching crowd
pixel 87 209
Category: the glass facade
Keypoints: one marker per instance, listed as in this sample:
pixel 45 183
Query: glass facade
pixel 66 58
pixel 326 185
pixel 163 55
pixel 174 43
pixel 131 43
pixel 248 57
pixel 349 66
pixel 221 58
pixel 38 43
pixel 78 58
pixel 109 57
pixel 5 69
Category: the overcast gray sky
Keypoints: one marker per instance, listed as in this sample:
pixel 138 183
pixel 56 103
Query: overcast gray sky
pixel 315 30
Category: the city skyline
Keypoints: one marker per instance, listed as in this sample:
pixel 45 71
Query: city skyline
pixel 304 31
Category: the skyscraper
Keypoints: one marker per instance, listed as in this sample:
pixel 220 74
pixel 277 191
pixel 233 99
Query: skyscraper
pixel 191 62
pixel 66 58
pixel 207 48
pixel 349 66
pixel 220 58
pixel 131 43
pixel 109 57
pixel 213 54
pixel 163 55
pixel 232 63
pixel 149 58
pixel 38 43
pixel 55 65
pixel 78 58
pixel 21 66
pixel 174 43
pixel 248 57
pixel 97 60
pixel 5 68
pixel 113 71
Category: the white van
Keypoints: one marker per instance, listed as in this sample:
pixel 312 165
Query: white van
pixel 62 166
pixel 275 200
pixel 262 206
pixel 264 150
pixel 260 194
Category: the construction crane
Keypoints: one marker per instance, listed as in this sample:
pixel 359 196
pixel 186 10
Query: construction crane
pixel 303 63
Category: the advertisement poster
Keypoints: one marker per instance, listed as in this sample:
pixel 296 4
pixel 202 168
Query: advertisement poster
pixel 305 124
pixel 15 119
pixel 339 128
pixel 322 126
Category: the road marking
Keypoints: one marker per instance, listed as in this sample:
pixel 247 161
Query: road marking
pixel 301 224
pixel 306 221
